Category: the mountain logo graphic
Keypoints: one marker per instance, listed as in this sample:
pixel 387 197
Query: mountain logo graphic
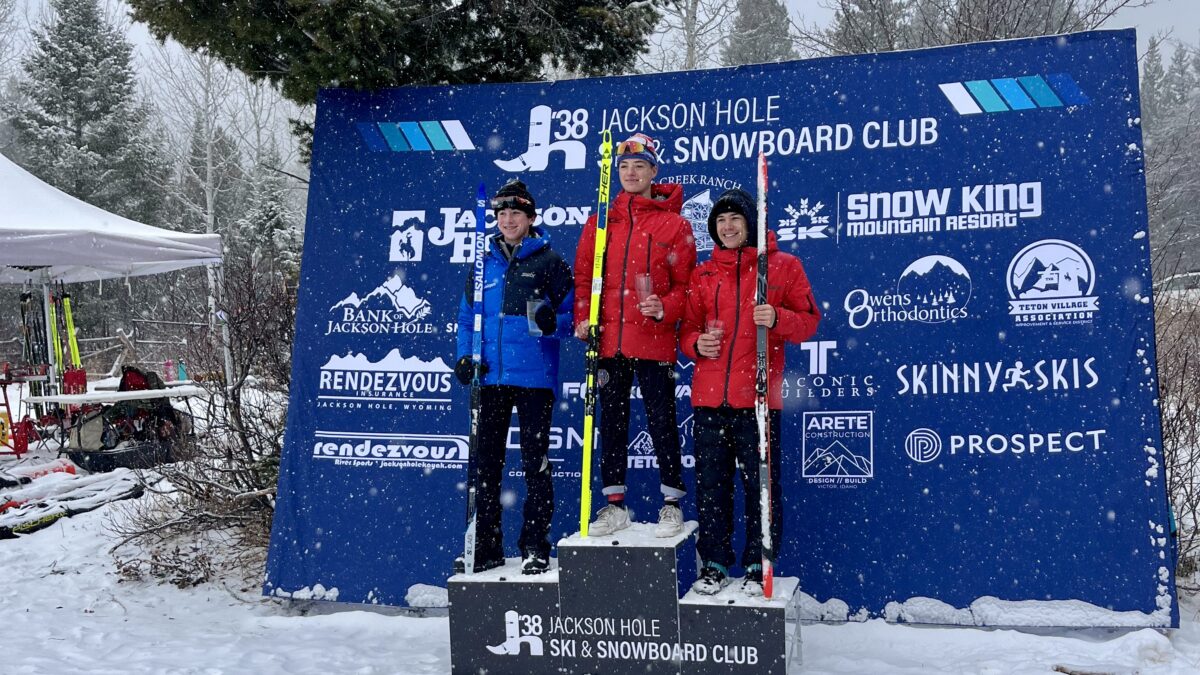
pixel 838 444
pixel 1051 268
pixel 836 460
pixel 642 445
pixel 932 289
pixel 641 453
pixel 393 362
pixel 394 377
pixel 1051 282
pixel 934 281
pixel 696 210
pixel 391 295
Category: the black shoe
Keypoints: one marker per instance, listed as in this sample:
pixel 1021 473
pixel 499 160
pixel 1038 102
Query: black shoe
pixel 535 563
pixel 482 564
pixel 752 584
pixel 712 579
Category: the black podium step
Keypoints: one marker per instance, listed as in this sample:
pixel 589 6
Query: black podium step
pixel 628 584
pixel 742 634
pixel 496 620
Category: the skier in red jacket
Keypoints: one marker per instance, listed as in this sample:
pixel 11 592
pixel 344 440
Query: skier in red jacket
pixel 650 254
pixel 719 332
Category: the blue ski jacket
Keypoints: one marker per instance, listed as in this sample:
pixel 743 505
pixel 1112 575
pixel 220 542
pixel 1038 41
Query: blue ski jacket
pixel 535 271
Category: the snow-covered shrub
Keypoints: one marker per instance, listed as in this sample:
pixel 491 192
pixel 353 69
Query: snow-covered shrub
pixel 223 494
pixel 1178 335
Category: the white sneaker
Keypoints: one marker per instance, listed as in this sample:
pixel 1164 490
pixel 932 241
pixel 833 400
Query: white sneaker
pixel 670 521
pixel 610 519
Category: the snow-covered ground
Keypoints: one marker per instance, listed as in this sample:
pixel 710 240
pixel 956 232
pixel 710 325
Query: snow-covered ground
pixel 64 609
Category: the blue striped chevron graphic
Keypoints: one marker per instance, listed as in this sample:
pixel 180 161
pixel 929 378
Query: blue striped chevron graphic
pixel 434 135
pixel 1003 94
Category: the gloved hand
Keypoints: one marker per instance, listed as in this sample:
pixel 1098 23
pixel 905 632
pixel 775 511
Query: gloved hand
pixel 462 370
pixel 546 319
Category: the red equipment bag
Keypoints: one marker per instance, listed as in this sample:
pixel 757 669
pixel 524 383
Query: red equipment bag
pixel 75 381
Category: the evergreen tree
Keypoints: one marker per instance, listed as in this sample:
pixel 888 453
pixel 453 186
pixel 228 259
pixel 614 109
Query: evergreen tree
pixel 1195 52
pixel 303 46
pixel 9 97
pixel 861 26
pixel 268 234
pixel 78 121
pixel 759 34
pixel 1180 80
pixel 1153 85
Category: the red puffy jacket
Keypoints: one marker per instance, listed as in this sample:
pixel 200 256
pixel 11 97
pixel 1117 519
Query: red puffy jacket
pixel 644 235
pixel 723 288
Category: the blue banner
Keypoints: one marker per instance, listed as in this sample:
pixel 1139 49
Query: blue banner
pixel 975 419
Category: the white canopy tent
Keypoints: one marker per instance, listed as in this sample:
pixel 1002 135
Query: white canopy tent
pixel 48 236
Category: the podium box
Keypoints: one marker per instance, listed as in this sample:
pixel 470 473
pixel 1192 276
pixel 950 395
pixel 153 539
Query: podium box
pixel 493 628
pixel 743 634
pixel 629 583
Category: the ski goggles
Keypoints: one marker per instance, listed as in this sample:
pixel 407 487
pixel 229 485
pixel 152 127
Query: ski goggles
pixel 511 202
pixel 516 202
pixel 635 148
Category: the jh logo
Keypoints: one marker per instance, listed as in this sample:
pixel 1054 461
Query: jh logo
pixel 520 629
pixel 572 127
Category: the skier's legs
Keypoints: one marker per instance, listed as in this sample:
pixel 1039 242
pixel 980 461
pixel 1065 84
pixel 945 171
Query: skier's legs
pixel 614 422
pixel 534 408
pixel 495 411
pixel 657 380
pixel 714 485
pixel 747 453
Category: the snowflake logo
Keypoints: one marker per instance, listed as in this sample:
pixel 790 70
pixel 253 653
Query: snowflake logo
pixel 805 222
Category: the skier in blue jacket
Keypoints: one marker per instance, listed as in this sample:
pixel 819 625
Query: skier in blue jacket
pixel 527 303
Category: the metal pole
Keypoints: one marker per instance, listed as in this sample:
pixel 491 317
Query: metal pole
pixel 220 318
pixel 211 276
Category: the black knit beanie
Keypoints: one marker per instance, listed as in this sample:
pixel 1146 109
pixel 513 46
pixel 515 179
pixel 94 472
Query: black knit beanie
pixel 514 195
pixel 735 201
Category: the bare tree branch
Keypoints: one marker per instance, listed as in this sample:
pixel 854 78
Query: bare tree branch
pixel 866 26
pixel 688 36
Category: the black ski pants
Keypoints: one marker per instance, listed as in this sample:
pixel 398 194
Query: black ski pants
pixel 657 380
pixel 727 438
pixel 534 407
